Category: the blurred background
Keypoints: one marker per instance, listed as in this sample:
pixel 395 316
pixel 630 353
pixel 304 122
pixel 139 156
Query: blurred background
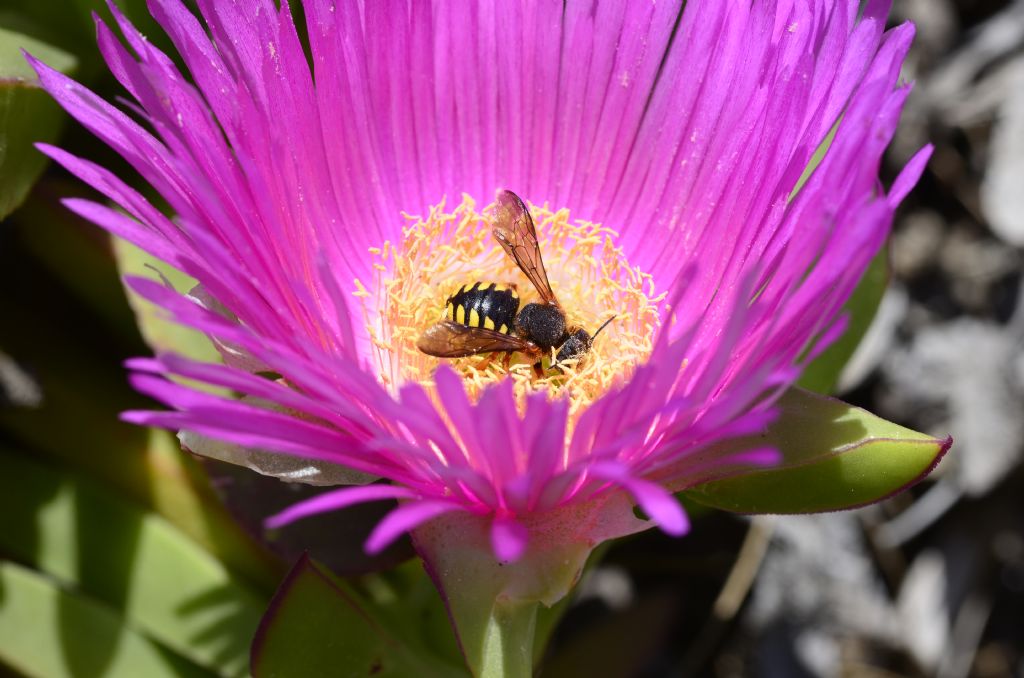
pixel 96 517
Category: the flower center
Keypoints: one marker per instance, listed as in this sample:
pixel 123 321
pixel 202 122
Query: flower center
pixel 445 251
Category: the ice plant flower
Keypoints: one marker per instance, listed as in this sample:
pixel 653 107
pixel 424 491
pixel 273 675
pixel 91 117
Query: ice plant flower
pixel 329 202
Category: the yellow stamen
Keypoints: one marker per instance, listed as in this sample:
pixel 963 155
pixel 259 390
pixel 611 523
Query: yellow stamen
pixel 448 250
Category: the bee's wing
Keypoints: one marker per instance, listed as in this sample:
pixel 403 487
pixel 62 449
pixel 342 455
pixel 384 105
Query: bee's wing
pixel 449 339
pixel 514 229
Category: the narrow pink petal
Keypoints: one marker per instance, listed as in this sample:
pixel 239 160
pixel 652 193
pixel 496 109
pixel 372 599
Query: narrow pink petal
pixel 508 539
pixel 405 518
pixel 543 433
pixel 496 415
pixel 126 228
pixel 701 468
pixel 257 427
pixel 908 178
pixel 335 500
pixel 128 198
pixel 343 415
pixel 659 504
pixel 456 404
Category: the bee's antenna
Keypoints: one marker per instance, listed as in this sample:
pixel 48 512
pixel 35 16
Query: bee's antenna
pixel 603 325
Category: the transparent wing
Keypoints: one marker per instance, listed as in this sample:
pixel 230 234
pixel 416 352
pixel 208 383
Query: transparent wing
pixel 514 229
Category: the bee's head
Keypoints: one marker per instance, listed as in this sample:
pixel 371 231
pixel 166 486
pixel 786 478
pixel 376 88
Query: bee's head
pixel 579 343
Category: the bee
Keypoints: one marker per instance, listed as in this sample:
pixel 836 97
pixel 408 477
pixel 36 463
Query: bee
pixel 486 318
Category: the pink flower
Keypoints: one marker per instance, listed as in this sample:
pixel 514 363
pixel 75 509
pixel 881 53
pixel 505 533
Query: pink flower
pixel 684 137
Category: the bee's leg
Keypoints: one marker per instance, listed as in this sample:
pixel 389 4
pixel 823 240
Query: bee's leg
pixel 506 361
pixel 538 370
pixel 486 362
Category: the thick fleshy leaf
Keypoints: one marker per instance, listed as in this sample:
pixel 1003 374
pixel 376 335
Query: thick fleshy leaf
pixel 49 631
pixel 27 115
pixel 834 456
pixel 147 466
pixel 72 357
pixel 161 581
pixel 823 373
pixel 318 626
pixel 410 607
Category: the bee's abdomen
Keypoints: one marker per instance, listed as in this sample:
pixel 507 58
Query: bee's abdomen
pixel 492 307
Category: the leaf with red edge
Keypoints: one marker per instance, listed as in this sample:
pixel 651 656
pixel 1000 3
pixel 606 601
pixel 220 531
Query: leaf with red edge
pixel 316 625
pixel 834 456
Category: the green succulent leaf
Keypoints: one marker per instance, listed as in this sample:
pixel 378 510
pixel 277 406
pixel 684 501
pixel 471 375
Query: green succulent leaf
pixel 27 115
pixel 75 359
pixel 146 466
pixel 158 579
pixel 823 373
pixel 13 66
pixel 409 605
pixel 318 626
pixel 46 630
pixel 834 456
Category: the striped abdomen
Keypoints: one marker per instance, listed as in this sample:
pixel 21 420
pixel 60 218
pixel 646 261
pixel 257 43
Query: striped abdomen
pixel 493 307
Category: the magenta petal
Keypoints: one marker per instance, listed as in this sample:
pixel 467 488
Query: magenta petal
pixel 124 227
pixel 659 504
pixel 337 499
pixel 908 178
pixel 682 126
pixel 403 519
pixel 508 539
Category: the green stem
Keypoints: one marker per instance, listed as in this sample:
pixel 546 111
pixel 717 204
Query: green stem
pixel 507 648
pixel 494 604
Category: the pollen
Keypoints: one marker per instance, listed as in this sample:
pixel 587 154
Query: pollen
pixel 446 250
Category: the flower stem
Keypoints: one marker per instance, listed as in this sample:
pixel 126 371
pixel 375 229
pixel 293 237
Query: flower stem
pixel 494 604
pixel 507 650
